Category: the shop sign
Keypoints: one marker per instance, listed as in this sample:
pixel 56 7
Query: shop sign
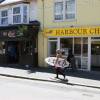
pixel 84 31
pixel 4 33
pixel 10 34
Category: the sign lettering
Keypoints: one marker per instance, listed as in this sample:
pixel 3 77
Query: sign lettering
pixel 88 31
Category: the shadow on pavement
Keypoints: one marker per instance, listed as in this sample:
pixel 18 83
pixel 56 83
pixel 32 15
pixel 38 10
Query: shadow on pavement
pixel 94 75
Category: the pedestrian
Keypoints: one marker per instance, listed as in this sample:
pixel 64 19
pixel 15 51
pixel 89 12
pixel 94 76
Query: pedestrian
pixel 58 69
pixel 71 59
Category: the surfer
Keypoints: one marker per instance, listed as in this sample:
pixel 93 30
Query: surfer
pixel 58 69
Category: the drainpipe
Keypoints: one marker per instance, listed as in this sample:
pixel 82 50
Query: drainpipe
pixel 43 23
pixel 43 13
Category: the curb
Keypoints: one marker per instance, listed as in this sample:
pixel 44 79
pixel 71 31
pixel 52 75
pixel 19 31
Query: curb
pixel 21 77
pixel 37 79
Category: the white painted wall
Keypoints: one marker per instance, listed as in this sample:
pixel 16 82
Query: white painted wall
pixel 33 10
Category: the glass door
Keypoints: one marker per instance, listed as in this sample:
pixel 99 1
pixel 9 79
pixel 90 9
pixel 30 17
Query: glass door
pixel 77 51
pixel 81 52
pixel 84 54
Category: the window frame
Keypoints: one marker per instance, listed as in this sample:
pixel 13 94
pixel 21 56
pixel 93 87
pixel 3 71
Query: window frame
pixel 58 14
pixel 16 14
pixel 26 14
pixel 21 13
pixel 64 12
pixel 3 17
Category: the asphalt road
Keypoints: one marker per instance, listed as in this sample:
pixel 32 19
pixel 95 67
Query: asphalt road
pixel 21 89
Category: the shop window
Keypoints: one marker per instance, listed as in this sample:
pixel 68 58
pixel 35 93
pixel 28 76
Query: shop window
pixel 64 10
pixel 95 48
pixel 95 37
pixel 77 51
pixel 85 47
pixel 77 46
pixel 65 45
pixel 4 17
pixel 52 48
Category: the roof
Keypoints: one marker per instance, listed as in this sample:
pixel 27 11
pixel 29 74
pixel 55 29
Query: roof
pixel 6 2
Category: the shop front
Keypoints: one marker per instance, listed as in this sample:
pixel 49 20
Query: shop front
pixel 18 44
pixel 85 43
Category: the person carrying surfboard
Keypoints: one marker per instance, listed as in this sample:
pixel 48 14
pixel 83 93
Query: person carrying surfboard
pixel 58 69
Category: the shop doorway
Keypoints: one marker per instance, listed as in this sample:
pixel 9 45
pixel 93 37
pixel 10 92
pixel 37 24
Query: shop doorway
pixel 81 52
pixel 95 55
pixel 12 52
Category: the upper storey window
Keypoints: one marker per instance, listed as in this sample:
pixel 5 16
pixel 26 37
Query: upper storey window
pixel 64 9
pixel 17 15
pixel 58 10
pixel 4 17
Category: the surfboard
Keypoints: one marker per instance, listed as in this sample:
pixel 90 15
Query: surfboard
pixel 60 63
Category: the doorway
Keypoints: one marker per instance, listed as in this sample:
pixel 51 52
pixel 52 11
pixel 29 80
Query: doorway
pixel 95 55
pixel 12 52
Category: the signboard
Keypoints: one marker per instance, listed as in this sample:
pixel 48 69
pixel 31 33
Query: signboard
pixel 10 33
pixel 82 31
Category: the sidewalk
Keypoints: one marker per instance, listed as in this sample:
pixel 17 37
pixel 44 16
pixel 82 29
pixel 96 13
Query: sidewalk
pixel 79 78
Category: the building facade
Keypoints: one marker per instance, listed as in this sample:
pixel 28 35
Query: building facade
pixel 71 24
pixel 19 32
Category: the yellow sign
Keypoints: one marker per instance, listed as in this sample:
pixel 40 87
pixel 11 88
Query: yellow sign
pixel 90 31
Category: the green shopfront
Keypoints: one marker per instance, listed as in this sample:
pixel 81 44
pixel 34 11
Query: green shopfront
pixel 18 44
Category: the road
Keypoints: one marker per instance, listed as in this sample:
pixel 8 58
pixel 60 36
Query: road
pixel 21 89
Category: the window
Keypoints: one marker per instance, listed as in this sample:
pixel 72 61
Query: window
pixel 16 15
pixel 25 14
pixel 65 45
pixel 20 14
pixel 58 10
pixel 70 9
pixel 4 17
pixel 64 10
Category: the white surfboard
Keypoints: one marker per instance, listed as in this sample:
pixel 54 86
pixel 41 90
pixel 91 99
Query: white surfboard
pixel 60 63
